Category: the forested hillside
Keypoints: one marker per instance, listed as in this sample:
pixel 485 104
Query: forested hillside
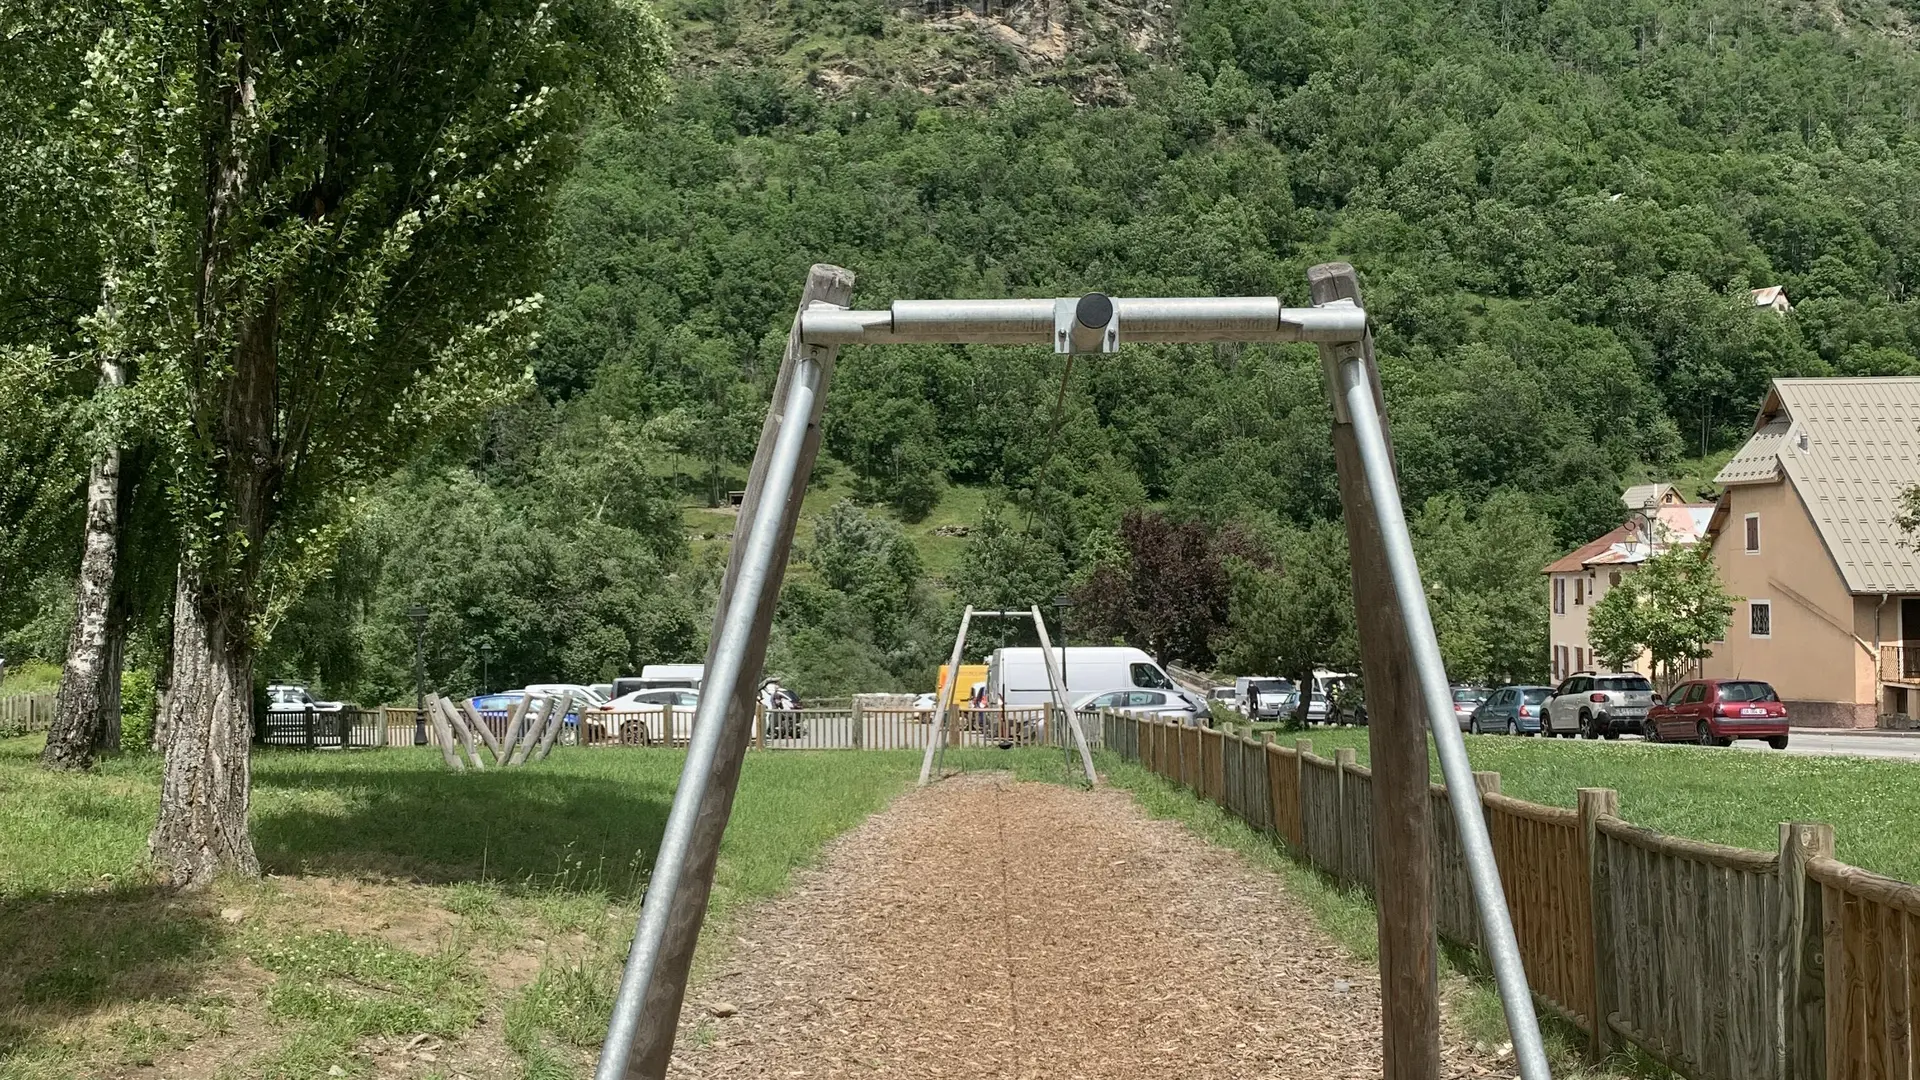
pixel 1557 206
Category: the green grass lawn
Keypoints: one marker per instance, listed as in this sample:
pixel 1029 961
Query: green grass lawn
pixel 401 900
pixel 1722 795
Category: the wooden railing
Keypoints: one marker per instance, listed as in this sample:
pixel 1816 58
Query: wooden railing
pixel 1722 962
pixel 21 713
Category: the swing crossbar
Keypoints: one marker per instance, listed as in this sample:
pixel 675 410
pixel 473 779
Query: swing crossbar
pixel 1143 320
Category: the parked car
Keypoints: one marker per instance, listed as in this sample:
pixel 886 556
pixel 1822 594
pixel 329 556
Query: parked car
pixel 1346 703
pixel 1265 698
pixel 926 703
pixel 1515 710
pixel 292 697
pixel 1223 697
pixel 648 709
pixel 1160 704
pixel 593 698
pixel 1714 712
pixel 1318 706
pixel 1599 705
pixel 295 718
pixel 1465 700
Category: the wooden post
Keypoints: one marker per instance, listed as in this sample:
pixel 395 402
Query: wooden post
pixel 533 729
pixel 1596 803
pixel 444 709
pixel 759 724
pixel 556 722
pixel 1396 737
pixel 859 724
pixel 479 725
pixel 516 715
pixel 444 736
pixel 1802 1008
pixel 660 1013
pixel 1488 783
pixel 1301 748
pixel 1343 759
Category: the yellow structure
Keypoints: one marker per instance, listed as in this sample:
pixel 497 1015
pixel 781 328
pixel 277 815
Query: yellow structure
pixel 971 675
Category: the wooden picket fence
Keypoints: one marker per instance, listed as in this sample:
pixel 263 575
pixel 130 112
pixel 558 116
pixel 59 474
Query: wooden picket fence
pixel 1721 962
pixel 21 713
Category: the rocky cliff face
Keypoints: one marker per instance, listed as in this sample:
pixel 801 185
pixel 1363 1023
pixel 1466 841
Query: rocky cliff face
pixel 957 51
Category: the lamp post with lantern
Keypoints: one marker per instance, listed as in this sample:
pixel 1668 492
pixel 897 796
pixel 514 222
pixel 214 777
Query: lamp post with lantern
pixel 418 616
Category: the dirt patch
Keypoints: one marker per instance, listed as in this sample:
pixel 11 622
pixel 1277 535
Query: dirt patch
pixel 403 915
pixel 997 929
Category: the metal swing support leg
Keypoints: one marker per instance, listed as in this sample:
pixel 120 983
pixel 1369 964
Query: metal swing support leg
pixel 1406 680
pixel 1057 682
pixel 647 1011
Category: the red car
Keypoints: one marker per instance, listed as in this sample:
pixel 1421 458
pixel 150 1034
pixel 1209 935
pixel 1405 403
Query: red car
pixel 1714 712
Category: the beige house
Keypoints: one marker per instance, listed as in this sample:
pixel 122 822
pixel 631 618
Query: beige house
pixel 1805 533
pixel 1657 517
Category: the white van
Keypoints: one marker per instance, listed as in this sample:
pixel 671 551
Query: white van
pixel 1017 678
pixel 662 677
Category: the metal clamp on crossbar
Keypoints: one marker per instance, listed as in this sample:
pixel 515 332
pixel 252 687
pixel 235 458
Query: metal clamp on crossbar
pixel 1161 320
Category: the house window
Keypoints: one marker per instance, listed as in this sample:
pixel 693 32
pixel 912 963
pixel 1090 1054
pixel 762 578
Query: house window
pixel 1560 662
pixel 1760 618
pixel 1753 533
pixel 1559 596
pixel 1613 578
pixel 1579 591
pixel 1579 659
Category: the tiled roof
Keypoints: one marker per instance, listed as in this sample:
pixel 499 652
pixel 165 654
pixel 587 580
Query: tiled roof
pixel 1850 447
pixel 1578 559
pixel 1640 495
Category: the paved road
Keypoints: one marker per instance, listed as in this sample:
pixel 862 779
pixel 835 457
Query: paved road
pixel 1902 746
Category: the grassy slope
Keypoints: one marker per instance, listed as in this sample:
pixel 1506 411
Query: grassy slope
pixel 709 531
pixel 31 677
pixel 1722 795
pixel 444 893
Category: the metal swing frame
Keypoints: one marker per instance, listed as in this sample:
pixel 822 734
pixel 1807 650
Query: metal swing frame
pixel 1398 644
pixel 1056 686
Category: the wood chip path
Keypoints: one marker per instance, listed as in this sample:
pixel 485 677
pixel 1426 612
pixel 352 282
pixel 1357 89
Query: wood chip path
pixel 988 928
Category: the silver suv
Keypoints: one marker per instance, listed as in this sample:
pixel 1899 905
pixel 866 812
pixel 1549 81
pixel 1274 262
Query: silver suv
pixel 1599 705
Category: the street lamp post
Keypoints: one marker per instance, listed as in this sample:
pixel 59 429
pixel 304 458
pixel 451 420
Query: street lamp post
pixel 486 655
pixel 1060 604
pixel 1648 519
pixel 418 615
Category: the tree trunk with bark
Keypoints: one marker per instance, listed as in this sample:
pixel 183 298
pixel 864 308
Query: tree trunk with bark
pixel 202 831
pixel 91 673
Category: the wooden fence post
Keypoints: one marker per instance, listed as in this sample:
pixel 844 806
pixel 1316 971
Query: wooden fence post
pixel 1301 748
pixel 760 725
pixel 1487 782
pixel 1802 960
pixel 859 725
pixel 1343 759
pixel 1594 804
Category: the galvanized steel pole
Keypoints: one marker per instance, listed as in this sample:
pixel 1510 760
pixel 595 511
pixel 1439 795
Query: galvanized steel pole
pixel 1057 681
pixel 1496 922
pixel 641 1033
pixel 763 536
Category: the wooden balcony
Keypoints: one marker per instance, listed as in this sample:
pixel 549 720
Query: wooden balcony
pixel 1900 664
